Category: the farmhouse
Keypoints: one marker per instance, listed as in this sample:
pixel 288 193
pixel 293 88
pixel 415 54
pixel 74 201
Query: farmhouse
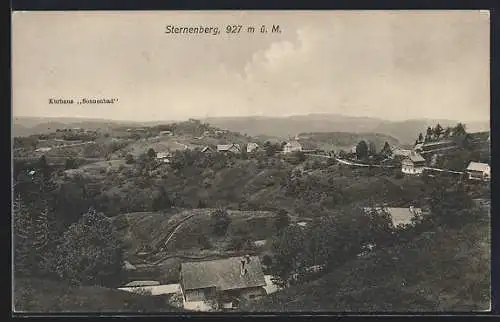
pixel 400 216
pixel 252 147
pixel 233 148
pixel 478 171
pixel 292 146
pixel 414 164
pixel 224 282
pixel 260 243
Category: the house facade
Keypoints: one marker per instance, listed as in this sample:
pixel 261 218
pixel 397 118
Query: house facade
pixel 292 146
pixel 233 148
pixel 251 147
pixel 414 164
pixel 478 171
pixel 222 283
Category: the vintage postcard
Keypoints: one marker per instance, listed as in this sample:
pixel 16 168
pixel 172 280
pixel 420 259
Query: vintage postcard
pixel 251 161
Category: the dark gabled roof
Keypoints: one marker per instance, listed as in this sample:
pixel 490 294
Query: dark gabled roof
pixel 223 274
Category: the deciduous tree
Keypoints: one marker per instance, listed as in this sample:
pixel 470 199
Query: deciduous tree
pixel 151 153
pixel 90 252
pixel 287 247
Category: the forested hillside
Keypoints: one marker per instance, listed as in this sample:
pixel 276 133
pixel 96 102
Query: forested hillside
pixel 445 267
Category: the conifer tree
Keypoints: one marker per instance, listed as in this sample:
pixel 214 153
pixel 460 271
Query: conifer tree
pixel 22 232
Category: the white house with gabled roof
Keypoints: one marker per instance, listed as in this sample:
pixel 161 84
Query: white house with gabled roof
pixel 478 171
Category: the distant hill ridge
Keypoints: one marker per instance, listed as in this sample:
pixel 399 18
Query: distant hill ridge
pixel 404 131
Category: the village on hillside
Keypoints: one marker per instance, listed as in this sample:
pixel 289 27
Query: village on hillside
pixel 192 242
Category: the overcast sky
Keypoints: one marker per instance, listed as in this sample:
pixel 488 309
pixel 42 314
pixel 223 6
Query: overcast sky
pixel 392 65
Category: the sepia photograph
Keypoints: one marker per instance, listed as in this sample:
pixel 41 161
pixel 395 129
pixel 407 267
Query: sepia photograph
pixel 185 162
